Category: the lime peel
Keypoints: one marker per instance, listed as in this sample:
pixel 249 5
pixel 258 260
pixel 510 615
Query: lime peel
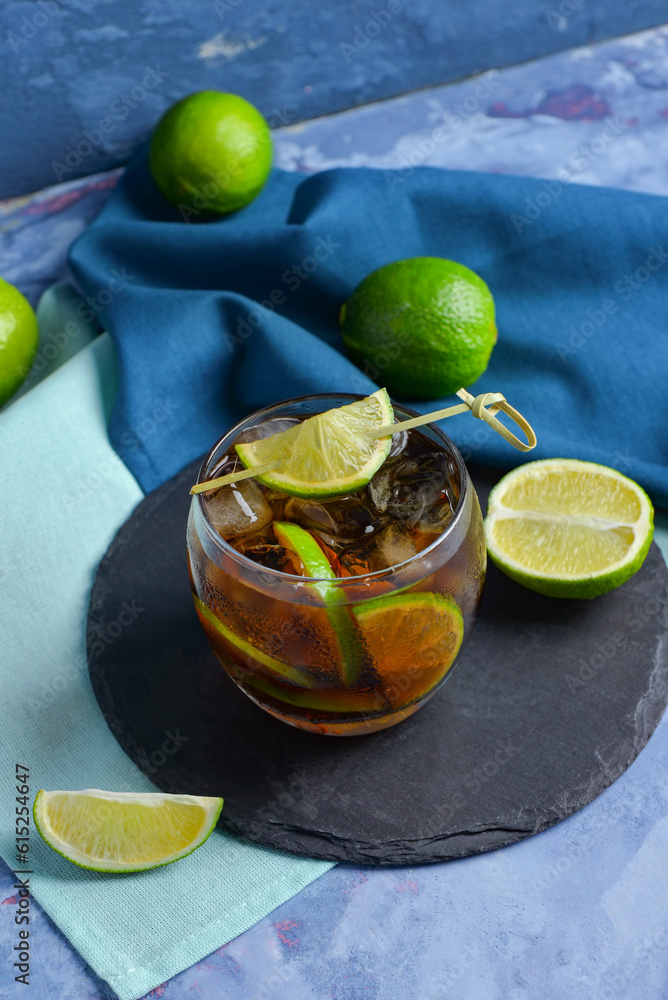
pixel 323 700
pixel 124 831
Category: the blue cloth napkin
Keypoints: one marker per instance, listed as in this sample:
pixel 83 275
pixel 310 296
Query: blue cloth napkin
pixel 215 319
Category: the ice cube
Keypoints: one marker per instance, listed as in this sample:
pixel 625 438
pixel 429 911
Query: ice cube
pixel 388 547
pixel 394 545
pixel 276 501
pixel 338 521
pixel 261 546
pixel 398 444
pixel 407 487
pixel 228 463
pixel 437 517
pixel 355 559
pixel 238 508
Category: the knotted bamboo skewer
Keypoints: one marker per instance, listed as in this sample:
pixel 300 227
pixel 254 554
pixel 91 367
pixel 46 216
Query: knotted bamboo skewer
pixel 483 407
pixel 478 406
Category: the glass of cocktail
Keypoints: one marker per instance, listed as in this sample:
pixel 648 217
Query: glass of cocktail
pixel 344 614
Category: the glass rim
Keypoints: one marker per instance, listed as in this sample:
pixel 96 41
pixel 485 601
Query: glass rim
pixel 343 581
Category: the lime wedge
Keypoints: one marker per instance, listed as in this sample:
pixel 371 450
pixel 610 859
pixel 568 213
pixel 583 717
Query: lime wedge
pixel 124 831
pixel 413 639
pixel 327 455
pixel 567 528
pixel 316 565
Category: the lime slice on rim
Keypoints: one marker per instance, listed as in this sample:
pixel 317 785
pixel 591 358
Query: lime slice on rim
pixel 316 565
pixel 413 639
pixel 567 528
pixel 124 831
pixel 326 455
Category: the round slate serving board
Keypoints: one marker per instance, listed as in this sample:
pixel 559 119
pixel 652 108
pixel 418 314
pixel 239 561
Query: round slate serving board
pixel 549 703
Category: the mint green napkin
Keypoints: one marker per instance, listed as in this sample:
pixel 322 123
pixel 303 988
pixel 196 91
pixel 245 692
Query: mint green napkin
pixel 63 494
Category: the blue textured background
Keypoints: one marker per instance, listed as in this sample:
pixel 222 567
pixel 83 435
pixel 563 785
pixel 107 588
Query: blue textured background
pixel 70 64
pixel 580 911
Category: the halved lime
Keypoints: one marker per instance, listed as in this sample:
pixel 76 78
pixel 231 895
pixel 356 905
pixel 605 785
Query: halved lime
pixel 124 831
pixel 251 653
pixel 316 565
pixel 327 455
pixel 413 639
pixel 567 528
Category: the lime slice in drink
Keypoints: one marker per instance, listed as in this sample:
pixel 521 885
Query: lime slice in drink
pixel 265 673
pixel 316 565
pixel 413 639
pixel 313 559
pixel 327 455
pixel 251 654
pixel 124 831
pixel 322 700
pixel 567 528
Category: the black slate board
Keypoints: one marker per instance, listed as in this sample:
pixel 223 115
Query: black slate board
pixel 549 703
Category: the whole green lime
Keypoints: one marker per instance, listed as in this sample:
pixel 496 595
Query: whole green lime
pixel 211 152
pixel 18 339
pixel 423 327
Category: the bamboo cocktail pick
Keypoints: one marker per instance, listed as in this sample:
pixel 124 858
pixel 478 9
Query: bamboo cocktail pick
pixel 478 407
pixel 234 477
pixel 483 407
